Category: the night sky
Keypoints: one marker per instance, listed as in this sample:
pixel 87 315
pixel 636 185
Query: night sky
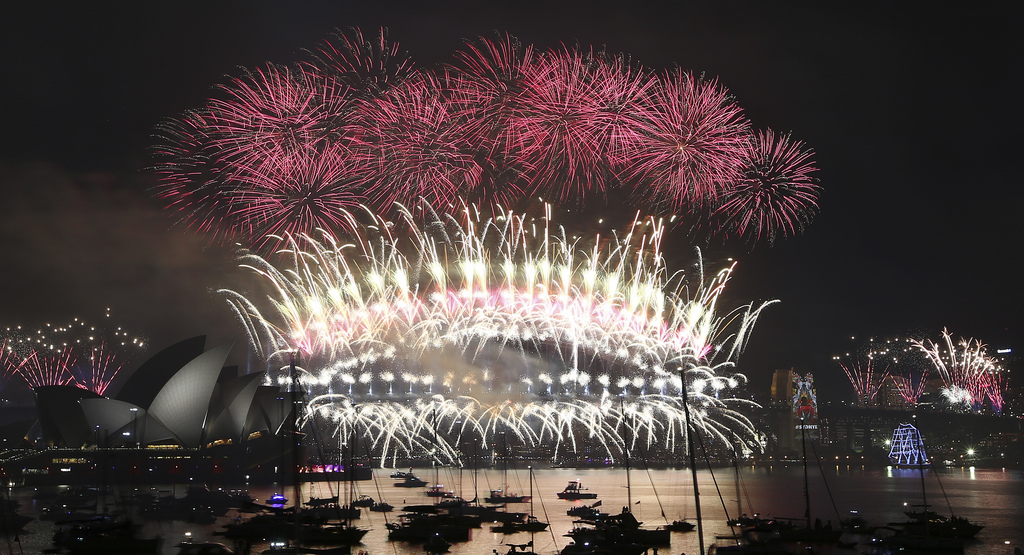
pixel 915 118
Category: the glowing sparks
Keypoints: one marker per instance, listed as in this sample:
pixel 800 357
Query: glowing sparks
pixel 970 376
pixel 536 327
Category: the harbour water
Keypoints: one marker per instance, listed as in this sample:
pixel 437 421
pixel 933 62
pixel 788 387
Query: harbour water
pixel 993 497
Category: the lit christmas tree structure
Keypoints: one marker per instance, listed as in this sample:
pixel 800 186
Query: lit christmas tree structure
pixel 907 447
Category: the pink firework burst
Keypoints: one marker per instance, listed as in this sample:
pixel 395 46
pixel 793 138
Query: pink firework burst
pixel 48 367
pixel 487 84
pixel 367 65
pixel 690 144
pixel 415 148
pixel 994 385
pixel 491 78
pixel 267 158
pixel 287 150
pixel 294 192
pixel 192 176
pixel 274 109
pixel 583 106
pixel 777 195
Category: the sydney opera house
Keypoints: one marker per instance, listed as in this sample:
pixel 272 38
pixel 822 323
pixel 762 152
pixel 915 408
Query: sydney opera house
pixel 183 414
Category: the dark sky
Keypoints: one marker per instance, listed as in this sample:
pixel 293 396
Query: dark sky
pixel 915 117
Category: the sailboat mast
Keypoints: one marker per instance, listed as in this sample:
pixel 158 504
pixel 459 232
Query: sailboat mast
pixel 807 494
pixel 736 470
pixel 693 460
pixel 921 461
pixel 531 488
pixel 625 445
pixel 296 446
pixel 350 471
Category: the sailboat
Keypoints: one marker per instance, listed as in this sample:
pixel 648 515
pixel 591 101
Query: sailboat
pixel 298 530
pixel 531 524
pixel 618 533
pixel 927 523
pixel 501 496
pixel 792 532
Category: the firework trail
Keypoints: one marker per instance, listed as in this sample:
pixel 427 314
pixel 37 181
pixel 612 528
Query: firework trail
pixel 289 150
pixel 48 367
pixel 865 380
pixel 909 389
pixel 966 370
pixel 500 324
pixel 100 368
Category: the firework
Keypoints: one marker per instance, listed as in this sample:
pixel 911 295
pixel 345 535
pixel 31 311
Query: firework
pixel 368 66
pixel 77 353
pixel 501 324
pixel 909 388
pixel 296 191
pixel 275 109
pixel 777 194
pixel 96 369
pixel 967 371
pixel 580 108
pixel 866 382
pixel 415 148
pixel 48 367
pixel 690 144
pixel 290 149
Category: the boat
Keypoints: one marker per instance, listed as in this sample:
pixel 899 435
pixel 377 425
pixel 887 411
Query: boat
pixel 619 530
pixel 574 490
pixel 501 496
pixel 382 507
pixel 955 527
pixel 437 490
pixel 321 501
pixel 277 499
pixel 421 527
pixel 585 512
pixel 925 522
pixel 531 524
pixel 362 501
pixel 411 481
pixel 680 526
